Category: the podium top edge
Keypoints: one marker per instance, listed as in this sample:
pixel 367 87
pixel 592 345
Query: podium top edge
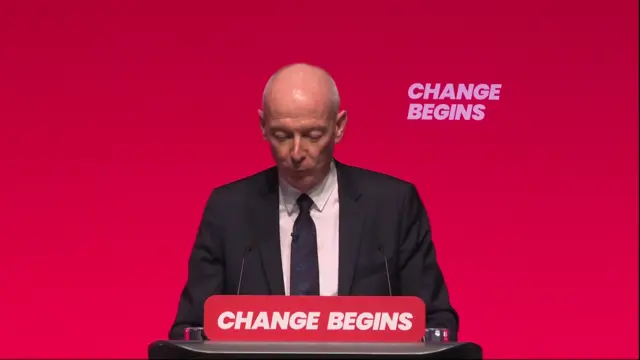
pixel 312 348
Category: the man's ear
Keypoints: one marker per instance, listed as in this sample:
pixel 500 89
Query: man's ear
pixel 341 124
pixel 262 128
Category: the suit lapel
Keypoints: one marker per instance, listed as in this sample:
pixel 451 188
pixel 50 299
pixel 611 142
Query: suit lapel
pixel 350 231
pixel 267 232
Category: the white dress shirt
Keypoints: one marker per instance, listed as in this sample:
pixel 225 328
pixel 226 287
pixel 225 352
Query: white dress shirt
pixel 325 214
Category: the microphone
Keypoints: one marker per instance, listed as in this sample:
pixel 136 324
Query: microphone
pixel 386 268
pixel 247 249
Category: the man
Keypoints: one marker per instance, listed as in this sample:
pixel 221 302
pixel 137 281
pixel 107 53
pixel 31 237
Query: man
pixel 312 225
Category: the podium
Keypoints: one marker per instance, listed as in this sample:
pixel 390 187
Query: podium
pixel 313 327
pixel 182 349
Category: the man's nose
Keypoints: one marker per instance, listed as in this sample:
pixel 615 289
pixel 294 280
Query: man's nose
pixel 297 153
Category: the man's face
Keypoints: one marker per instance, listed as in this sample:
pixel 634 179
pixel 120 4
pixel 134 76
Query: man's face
pixel 302 146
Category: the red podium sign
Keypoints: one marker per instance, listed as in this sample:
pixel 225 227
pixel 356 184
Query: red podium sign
pixel 314 318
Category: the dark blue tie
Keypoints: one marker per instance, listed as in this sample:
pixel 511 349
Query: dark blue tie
pixel 304 278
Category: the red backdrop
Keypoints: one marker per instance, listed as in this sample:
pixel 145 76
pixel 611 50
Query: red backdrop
pixel 118 118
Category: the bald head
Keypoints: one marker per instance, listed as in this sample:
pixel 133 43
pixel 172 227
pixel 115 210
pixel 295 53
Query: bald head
pixel 299 88
pixel 302 121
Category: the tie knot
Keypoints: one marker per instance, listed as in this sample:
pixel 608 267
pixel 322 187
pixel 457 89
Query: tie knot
pixel 304 203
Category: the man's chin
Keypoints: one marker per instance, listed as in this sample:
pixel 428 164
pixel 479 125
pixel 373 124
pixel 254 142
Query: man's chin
pixel 301 180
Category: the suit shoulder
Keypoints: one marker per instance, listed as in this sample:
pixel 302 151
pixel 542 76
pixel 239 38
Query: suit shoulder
pixel 247 186
pixel 379 182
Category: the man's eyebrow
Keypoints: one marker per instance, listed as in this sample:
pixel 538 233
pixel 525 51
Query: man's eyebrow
pixel 308 129
pixel 277 128
pixel 317 127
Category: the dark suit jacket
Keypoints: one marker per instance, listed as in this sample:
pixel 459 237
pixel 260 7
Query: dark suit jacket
pixel 377 213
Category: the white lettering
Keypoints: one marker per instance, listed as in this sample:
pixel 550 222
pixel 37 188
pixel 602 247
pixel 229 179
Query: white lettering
pixel 445 92
pixel 265 320
pixel 262 322
pixel 412 91
pixel 222 323
pixel 349 321
pixel 364 321
pixel 405 321
pixel 441 112
pixel 280 320
pixel 297 320
pixel 429 90
pixel 312 320
pixel 246 320
pixel 446 112
pixel 465 92
pixel 388 321
pixel 415 112
pixel 494 93
pixel 346 321
pixel 378 321
pixel 450 91
pixel 335 320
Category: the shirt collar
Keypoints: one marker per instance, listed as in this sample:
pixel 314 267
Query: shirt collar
pixel 319 194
